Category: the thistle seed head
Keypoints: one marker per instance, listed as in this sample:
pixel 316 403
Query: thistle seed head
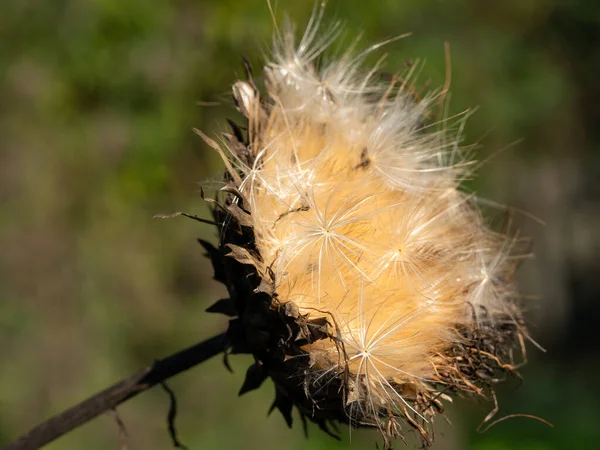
pixel 364 281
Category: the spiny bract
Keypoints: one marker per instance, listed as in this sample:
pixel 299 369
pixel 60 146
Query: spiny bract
pixel 358 220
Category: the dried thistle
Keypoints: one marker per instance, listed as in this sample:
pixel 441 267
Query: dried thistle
pixel 364 281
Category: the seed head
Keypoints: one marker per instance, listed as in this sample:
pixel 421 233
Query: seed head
pixel 364 281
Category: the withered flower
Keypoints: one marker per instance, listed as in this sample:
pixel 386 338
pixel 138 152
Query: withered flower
pixel 366 284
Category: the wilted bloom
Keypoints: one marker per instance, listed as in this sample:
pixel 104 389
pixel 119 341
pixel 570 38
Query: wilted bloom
pixel 364 281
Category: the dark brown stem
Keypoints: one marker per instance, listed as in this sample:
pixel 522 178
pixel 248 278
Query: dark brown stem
pixel 111 397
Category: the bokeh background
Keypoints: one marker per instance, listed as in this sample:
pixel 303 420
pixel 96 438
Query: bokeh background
pixel 97 102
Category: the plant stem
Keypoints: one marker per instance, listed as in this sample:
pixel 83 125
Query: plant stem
pixel 111 397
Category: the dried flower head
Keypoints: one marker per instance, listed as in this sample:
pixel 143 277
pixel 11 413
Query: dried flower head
pixel 364 281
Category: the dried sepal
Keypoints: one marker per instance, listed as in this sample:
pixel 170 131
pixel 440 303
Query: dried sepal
pixel 224 306
pixel 255 376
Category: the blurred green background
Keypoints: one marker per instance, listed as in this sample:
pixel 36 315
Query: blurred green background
pixel 97 102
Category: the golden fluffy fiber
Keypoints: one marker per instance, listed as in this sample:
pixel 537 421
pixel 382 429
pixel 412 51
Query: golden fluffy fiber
pixel 359 219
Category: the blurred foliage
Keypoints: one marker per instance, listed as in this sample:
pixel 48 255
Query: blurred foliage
pixel 97 102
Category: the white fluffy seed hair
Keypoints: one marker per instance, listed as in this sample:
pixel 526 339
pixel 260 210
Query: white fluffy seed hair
pixel 358 212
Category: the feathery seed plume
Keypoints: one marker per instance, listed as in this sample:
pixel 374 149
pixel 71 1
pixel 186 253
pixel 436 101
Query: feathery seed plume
pixel 364 281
